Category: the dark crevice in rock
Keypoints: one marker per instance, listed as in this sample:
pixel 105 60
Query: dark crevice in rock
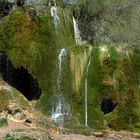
pixel 107 105
pixel 20 2
pixel 5 8
pixel 19 78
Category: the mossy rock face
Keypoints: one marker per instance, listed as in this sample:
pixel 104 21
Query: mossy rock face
pixel 31 40
pixel 19 99
pixel 95 76
pixel 4 99
pixel 124 93
pixel 10 98
pixel 110 76
pixel 27 43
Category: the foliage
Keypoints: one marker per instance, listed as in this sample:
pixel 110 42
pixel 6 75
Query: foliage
pixel 27 40
pixel 9 137
pixel 127 112
pixel 3 122
pixel 109 21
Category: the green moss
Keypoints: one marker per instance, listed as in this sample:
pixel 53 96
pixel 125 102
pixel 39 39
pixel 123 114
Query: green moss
pixel 4 99
pixel 41 121
pixel 9 137
pixel 32 41
pixel 19 99
pixel 81 130
pixel 126 114
pixel 29 44
pixel 3 122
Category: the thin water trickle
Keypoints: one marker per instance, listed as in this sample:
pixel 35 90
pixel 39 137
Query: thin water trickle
pixel 78 38
pixel 86 107
pixel 86 90
pixel 54 15
pixel 62 55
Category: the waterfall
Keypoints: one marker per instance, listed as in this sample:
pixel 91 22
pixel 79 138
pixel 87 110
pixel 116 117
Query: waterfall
pixel 54 14
pixel 57 111
pixel 78 38
pixel 62 55
pixel 86 91
pixel 60 108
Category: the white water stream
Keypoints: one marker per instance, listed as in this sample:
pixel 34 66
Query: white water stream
pixel 78 38
pixel 86 91
pixel 60 109
pixel 62 55
pixel 54 15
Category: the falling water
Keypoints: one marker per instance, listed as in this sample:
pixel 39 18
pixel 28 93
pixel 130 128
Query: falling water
pixel 54 14
pixel 57 111
pixel 77 33
pixel 86 113
pixel 62 55
pixel 60 109
pixel 86 91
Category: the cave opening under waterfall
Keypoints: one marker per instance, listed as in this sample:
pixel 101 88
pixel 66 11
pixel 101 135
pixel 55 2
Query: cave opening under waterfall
pixel 19 78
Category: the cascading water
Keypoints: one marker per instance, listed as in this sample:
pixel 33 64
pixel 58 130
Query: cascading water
pixel 78 38
pixel 54 14
pixel 60 109
pixel 86 91
pixel 61 57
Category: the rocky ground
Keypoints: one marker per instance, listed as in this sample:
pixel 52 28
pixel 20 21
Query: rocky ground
pixel 22 126
pixel 19 118
pixel 19 129
pixel 82 137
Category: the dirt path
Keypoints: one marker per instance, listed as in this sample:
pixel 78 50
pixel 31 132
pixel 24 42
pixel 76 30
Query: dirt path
pixel 12 126
pixel 21 125
pixel 73 137
pixel 81 137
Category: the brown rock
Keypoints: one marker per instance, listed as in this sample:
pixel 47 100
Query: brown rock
pixel 98 134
